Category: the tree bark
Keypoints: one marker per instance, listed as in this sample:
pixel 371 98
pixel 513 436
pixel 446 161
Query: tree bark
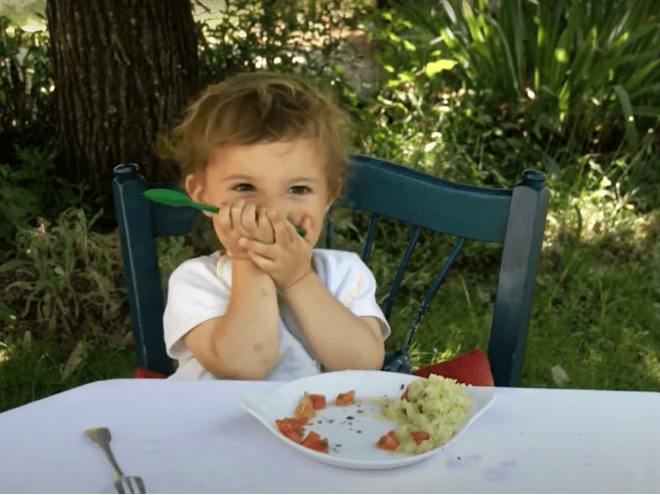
pixel 124 70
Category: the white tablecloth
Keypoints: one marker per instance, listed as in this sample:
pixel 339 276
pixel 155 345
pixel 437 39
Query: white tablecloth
pixel 191 437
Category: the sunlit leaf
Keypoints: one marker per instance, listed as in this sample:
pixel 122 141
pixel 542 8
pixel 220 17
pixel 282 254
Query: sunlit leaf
pixel 629 120
pixel 432 68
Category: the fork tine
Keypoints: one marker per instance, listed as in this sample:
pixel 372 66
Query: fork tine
pixel 130 484
pixel 140 485
pixel 119 486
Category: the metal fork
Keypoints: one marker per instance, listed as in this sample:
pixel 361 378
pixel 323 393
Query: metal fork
pixel 123 484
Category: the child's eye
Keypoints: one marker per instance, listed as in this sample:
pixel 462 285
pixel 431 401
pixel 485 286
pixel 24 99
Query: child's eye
pixel 244 187
pixel 300 189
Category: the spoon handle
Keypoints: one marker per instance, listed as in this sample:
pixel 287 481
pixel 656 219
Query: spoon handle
pixel 204 206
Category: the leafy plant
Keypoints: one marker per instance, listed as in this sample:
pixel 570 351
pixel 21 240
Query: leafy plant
pixel 32 188
pixel 586 71
pixel 26 79
pixel 67 279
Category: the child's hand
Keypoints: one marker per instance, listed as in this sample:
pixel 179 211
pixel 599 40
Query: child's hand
pixel 288 260
pixel 238 220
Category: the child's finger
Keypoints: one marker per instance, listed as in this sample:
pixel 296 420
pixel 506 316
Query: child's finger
pixel 265 227
pixel 282 234
pixel 260 261
pixel 306 224
pixel 223 218
pixel 249 218
pixel 264 250
pixel 236 210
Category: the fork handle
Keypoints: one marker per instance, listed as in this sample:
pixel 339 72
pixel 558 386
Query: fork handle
pixel 101 437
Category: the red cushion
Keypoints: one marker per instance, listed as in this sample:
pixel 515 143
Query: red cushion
pixel 145 373
pixel 471 369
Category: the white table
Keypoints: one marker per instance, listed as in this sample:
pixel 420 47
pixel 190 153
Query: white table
pixel 188 437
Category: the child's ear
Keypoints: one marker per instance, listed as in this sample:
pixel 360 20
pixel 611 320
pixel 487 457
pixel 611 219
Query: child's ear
pixel 194 186
pixel 332 198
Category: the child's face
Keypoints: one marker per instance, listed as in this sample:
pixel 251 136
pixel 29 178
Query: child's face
pixel 287 177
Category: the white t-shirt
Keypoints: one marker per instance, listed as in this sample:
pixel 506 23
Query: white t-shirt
pixel 199 290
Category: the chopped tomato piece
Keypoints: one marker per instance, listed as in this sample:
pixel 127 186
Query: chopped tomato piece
pixel 388 441
pixel 318 401
pixel 345 398
pixel 304 409
pixel 315 442
pixel 290 428
pixel 419 436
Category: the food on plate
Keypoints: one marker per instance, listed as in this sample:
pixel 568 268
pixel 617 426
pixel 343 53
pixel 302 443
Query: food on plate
pixel 389 441
pixel 419 436
pixel 304 410
pixel 318 401
pixel 290 428
pixel 429 412
pixel 315 442
pixel 293 427
pixel 345 398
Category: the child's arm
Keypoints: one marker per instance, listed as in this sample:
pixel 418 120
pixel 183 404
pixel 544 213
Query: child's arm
pixel 242 343
pixel 340 339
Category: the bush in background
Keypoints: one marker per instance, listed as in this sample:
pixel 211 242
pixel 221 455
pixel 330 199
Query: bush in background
pixel 542 80
pixel 26 84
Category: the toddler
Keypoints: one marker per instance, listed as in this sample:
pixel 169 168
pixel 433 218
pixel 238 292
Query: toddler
pixel 271 151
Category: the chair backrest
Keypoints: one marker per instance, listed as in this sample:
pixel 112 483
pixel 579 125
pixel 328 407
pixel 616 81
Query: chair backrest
pixel 513 217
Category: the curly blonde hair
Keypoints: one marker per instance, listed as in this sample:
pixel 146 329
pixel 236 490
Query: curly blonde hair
pixel 260 107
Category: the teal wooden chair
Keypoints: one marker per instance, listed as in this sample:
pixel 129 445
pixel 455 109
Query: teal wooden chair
pixel 513 217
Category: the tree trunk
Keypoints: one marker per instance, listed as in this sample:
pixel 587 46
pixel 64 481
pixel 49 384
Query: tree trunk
pixel 124 70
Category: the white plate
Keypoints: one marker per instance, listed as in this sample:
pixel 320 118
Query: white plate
pixel 352 431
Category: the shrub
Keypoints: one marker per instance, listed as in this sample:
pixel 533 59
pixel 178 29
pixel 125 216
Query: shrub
pixel 26 81
pixel 31 188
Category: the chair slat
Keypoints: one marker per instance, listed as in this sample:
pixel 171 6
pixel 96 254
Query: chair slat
pixel 368 242
pixel 428 297
pixel 412 242
pixel 410 196
pixel 328 234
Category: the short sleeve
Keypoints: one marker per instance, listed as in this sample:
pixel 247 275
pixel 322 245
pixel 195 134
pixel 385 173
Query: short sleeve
pixel 352 283
pixel 195 294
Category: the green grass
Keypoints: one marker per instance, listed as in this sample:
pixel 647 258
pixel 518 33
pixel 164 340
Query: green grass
pixel 31 370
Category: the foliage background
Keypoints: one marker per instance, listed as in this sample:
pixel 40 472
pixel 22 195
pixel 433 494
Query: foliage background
pixel 450 88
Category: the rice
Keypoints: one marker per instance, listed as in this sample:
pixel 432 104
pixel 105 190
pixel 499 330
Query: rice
pixel 437 405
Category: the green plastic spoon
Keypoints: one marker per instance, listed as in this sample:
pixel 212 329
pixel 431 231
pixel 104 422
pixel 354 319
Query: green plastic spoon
pixel 176 198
